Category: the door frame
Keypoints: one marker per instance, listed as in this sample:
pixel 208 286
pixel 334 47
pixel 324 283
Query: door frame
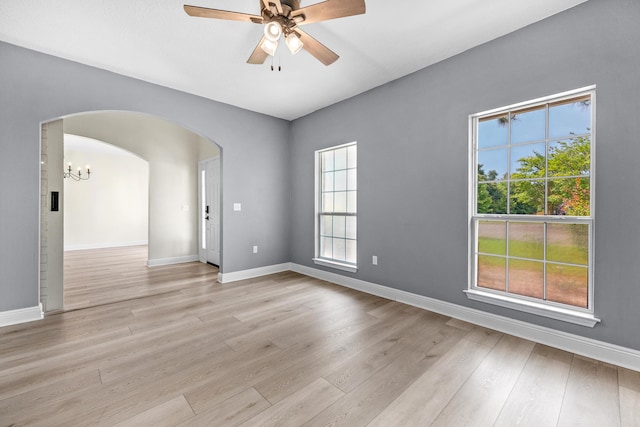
pixel 202 251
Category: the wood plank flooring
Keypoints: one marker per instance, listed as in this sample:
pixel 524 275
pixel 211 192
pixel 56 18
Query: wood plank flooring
pixel 290 350
pixel 101 276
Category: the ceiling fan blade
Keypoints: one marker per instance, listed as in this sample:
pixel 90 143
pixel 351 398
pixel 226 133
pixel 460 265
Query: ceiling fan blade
pixel 258 56
pixel 276 3
pixel 317 49
pixel 273 6
pixel 278 6
pixel 329 9
pixel 204 12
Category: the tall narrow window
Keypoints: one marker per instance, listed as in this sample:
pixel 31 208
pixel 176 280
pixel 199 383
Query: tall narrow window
pixel 336 207
pixel 532 208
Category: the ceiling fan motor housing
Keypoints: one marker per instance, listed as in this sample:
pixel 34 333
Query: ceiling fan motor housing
pixel 270 14
pixel 293 4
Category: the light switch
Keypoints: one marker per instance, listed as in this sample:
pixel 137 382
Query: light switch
pixel 237 207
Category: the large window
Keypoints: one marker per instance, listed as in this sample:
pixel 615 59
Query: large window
pixel 532 206
pixel 336 207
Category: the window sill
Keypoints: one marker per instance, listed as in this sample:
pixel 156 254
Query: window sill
pixel 558 313
pixel 337 265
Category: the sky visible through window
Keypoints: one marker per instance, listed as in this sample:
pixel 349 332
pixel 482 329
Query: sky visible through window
pixel 565 120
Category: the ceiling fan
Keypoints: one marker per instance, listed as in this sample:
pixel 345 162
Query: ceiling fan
pixel 284 18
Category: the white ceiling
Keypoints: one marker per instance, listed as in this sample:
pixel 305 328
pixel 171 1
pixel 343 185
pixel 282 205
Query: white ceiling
pixel 156 41
pixel 90 145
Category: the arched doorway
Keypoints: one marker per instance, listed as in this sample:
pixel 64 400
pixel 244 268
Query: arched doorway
pixel 173 154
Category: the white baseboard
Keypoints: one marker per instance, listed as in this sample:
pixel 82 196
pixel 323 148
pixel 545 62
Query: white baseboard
pixel 21 315
pixel 174 260
pixel 599 350
pixel 253 272
pixel 104 245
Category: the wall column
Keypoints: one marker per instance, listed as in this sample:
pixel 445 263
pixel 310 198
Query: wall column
pixel 51 223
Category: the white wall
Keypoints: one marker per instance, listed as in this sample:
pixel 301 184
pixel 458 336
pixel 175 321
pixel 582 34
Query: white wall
pixel 206 150
pixel 173 153
pixel 111 208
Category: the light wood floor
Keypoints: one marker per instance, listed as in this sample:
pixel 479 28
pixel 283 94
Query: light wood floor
pixel 100 276
pixel 287 349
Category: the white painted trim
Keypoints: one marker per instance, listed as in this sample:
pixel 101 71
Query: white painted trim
pixel 318 204
pixel 105 245
pixel 349 282
pixel 21 315
pixel 539 307
pixel 545 310
pixel 599 350
pixel 555 97
pixel 174 260
pixel 253 272
pixel 337 265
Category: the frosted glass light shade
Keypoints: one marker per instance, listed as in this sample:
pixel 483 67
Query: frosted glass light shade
pixel 269 46
pixel 293 43
pixel 273 31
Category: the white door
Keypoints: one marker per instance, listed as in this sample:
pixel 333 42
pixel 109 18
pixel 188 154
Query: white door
pixel 209 183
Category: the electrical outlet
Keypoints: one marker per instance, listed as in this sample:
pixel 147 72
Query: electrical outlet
pixel 374 260
pixel 255 249
pixel 237 207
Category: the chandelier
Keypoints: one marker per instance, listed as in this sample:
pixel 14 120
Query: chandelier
pixel 77 176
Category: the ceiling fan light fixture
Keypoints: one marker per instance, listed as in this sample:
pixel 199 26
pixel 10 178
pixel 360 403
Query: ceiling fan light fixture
pixel 273 31
pixel 269 46
pixel 280 18
pixel 293 43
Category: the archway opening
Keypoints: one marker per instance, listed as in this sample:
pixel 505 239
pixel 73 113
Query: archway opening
pixel 172 155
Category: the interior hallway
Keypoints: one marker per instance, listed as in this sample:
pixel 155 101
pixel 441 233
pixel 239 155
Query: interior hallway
pixel 102 276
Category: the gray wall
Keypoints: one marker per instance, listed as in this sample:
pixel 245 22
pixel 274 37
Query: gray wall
pixel 413 151
pixel 35 88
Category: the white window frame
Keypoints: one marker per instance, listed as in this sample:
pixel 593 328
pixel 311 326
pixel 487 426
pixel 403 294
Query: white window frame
pixel 563 312
pixel 317 259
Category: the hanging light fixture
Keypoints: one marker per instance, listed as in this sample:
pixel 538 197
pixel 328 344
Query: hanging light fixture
pixel 77 176
pixel 273 31
pixel 293 43
pixel 269 46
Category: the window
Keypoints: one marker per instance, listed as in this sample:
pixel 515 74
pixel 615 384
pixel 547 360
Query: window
pixel 531 219
pixel 336 207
